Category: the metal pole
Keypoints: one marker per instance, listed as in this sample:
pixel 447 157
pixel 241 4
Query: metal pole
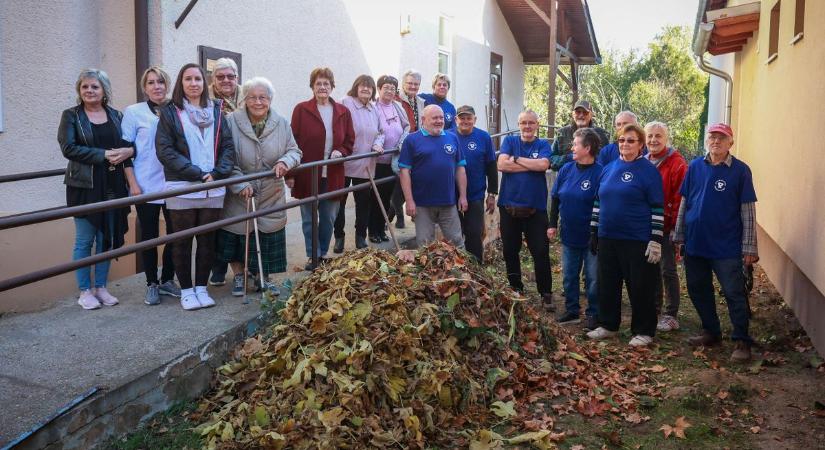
pixel 383 211
pixel 246 255
pixel 258 250
pixel 315 243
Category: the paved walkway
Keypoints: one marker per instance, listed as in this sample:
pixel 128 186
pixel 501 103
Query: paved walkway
pixel 50 357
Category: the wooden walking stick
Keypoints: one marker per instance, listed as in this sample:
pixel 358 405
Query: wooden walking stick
pixel 258 248
pixel 383 211
pixel 246 254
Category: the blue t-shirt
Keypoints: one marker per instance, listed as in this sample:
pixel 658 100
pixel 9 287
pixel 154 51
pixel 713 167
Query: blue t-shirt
pixel 432 161
pixel 477 148
pixel 576 189
pixel 525 189
pixel 446 106
pixel 713 197
pixel 628 192
pixel 610 153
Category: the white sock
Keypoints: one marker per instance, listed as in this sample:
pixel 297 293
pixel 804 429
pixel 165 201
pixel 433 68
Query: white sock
pixel 200 289
pixel 185 292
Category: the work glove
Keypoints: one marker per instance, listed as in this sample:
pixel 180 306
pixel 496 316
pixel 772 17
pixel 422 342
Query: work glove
pixel 594 243
pixel 653 252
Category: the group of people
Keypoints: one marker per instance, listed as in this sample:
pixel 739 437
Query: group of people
pixel 624 211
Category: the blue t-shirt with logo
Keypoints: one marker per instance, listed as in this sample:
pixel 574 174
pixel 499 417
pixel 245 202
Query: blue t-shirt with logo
pixel 610 153
pixel 628 191
pixel 576 188
pixel 477 148
pixel 713 197
pixel 446 106
pixel 525 189
pixel 432 161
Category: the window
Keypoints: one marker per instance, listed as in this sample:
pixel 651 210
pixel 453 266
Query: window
pixel 445 45
pixel 773 36
pixel 798 21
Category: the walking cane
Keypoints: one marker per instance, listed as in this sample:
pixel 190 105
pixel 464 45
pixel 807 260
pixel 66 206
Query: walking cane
pixel 258 248
pixel 383 211
pixel 246 254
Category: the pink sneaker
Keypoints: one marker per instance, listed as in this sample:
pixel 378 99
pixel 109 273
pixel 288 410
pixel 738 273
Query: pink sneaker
pixel 87 300
pixel 105 297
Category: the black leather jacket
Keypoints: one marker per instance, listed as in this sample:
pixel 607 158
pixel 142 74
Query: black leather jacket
pixel 173 150
pixel 76 142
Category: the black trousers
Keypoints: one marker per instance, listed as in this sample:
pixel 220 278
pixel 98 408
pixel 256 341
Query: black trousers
pixel 398 201
pixel 472 225
pixel 534 230
pixel 362 209
pixel 184 219
pixel 376 223
pixel 149 218
pixel 625 261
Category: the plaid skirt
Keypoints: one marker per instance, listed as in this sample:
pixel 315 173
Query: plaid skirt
pixel 273 250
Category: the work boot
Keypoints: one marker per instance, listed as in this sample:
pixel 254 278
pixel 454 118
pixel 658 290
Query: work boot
pixel 705 339
pixel 568 318
pixel 741 352
pixel 339 245
pixel 361 242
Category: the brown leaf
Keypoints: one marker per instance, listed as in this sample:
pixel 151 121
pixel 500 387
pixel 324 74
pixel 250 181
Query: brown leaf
pixel 678 429
pixel 723 395
pixel 755 429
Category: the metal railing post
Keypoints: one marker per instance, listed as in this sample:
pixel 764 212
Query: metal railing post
pixel 315 243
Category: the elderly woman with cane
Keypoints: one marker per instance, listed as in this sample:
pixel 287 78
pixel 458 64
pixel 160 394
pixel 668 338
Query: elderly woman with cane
pixel 263 142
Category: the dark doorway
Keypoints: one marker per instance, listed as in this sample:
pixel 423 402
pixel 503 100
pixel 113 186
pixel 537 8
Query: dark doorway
pixel 494 106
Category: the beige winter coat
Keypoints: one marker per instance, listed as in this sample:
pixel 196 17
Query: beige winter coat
pixel 276 144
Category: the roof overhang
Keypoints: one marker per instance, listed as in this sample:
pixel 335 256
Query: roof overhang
pixel 528 20
pixel 731 27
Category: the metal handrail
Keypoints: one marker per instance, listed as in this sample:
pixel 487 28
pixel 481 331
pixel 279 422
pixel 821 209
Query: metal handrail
pixel 48 214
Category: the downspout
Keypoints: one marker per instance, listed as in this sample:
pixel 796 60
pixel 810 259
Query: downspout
pixel 141 44
pixel 701 37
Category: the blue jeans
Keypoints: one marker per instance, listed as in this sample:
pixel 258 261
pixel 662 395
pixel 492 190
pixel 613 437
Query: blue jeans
pixel 573 260
pixel 327 211
pixel 85 234
pixel 699 276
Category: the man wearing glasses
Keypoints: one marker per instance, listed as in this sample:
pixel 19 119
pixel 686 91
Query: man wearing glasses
pixel 522 204
pixel 225 85
pixel 582 118
pixel 716 224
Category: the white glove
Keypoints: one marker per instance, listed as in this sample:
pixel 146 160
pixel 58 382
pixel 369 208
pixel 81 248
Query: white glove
pixel 653 252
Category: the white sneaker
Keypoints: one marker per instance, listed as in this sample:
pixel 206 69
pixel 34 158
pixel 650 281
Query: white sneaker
pixel 87 300
pixel 105 297
pixel 203 297
pixel 189 301
pixel 601 333
pixel 641 340
pixel 667 323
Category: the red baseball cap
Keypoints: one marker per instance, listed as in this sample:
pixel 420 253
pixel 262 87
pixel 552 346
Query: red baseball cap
pixel 721 128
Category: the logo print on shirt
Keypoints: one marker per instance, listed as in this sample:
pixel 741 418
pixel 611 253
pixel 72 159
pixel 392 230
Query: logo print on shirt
pixel 720 185
pixel 534 155
pixel 449 149
pixel 472 145
pixel 585 185
pixel 448 117
pixel 627 177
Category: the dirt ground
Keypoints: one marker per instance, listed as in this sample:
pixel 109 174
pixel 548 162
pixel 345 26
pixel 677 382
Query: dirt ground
pixel 776 401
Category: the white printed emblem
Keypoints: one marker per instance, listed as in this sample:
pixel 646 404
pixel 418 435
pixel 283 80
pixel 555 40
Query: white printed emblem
pixel 449 149
pixel 627 177
pixel 448 117
pixel 720 185
pixel 534 155
pixel 472 145
pixel 585 185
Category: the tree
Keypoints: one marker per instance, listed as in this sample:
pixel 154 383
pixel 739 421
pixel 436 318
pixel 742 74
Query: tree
pixel 662 84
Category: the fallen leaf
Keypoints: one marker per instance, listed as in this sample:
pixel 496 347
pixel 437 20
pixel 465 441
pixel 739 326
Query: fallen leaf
pixel 502 409
pixel 678 429
pixel 755 429
pixel 655 369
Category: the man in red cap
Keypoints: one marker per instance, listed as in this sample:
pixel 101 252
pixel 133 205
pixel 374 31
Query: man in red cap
pixel 716 224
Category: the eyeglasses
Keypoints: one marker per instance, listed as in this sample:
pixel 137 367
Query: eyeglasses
pixel 260 98
pixel 629 141
pixel 230 77
pixel 388 88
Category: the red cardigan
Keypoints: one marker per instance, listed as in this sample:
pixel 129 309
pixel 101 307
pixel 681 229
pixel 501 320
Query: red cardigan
pixel 310 134
pixel 672 170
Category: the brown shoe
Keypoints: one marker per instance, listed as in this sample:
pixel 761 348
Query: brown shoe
pixel 547 301
pixel 742 352
pixel 704 340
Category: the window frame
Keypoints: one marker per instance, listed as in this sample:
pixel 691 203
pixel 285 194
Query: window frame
pixel 773 32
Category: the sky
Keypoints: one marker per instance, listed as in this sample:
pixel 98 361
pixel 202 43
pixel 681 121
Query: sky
pixel 626 24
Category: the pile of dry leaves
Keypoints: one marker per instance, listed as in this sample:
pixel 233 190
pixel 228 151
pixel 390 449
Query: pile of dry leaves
pixel 374 352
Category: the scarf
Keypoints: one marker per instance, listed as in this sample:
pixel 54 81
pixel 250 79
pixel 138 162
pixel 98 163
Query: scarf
pixel 201 117
pixel 658 161
pixel 413 100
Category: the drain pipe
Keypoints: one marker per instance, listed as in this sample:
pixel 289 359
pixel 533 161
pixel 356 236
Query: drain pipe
pixel 700 45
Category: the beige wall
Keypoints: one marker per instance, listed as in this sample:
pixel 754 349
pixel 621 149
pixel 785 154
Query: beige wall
pixel 777 116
